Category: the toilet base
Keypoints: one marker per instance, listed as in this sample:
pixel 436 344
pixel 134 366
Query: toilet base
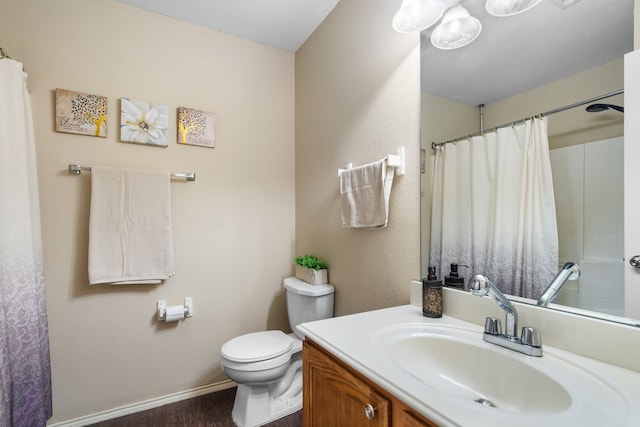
pixel 259 403
pixel 254 406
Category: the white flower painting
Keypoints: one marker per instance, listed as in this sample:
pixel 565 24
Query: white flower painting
pixel 143 122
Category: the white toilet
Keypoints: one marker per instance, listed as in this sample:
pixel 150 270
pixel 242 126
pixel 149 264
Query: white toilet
pixel 267 366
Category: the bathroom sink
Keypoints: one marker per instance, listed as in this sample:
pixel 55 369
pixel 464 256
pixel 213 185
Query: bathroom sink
pixel 442 369
pixel 459 365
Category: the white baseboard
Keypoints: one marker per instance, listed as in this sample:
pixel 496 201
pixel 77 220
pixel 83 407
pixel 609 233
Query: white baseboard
pixel 144 405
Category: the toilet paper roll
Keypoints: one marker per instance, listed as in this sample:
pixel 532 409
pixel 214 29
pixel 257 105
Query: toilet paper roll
pixel 174 313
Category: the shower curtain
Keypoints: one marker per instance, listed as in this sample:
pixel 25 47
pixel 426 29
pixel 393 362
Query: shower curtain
pixel 25 374
pixel 493 208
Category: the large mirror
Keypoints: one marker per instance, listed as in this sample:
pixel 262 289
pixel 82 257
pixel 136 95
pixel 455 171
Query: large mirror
pixel 557 54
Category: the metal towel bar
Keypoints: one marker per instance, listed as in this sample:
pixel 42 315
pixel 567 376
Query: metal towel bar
pixel 78 169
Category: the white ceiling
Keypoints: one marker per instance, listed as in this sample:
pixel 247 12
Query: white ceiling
pixel 284 24
pixel 510 56
pixel 522 52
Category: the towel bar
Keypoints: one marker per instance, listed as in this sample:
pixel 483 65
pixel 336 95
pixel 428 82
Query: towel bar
pixel 77 170
pixel 394 160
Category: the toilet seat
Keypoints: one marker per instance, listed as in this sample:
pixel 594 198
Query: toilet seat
pixel 257 351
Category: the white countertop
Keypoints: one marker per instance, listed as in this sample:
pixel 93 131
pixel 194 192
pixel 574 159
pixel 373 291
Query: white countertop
pixel 354 339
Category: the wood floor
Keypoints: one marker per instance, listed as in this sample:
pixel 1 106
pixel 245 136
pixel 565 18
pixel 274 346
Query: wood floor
pixel 212 410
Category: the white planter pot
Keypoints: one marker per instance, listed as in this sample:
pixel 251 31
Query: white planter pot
pixel 314 277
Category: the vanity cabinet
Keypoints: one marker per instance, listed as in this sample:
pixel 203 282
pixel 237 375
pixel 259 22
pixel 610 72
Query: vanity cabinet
pixel 335 395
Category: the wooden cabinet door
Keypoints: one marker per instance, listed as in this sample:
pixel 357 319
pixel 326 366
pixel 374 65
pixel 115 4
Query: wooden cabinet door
pixel 403 416
pixel 334 397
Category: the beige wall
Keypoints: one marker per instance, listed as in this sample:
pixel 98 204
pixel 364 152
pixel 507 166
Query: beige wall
pixel 357 100
pixel 233 227
pixel 445 119
pixel 574 126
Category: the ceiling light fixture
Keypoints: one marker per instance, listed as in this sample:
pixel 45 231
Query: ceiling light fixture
pixel 457 29
pixel 417 15
pixel 503 8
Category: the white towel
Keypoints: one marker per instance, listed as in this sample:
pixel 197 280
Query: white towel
pixel 130 235
pixel 364 195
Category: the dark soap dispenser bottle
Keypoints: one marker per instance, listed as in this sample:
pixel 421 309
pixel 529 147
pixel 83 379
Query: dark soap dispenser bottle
pixel 453 280
pixel 431 294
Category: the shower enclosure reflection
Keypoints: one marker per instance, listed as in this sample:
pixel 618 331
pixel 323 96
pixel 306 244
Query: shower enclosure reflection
pixel 588 189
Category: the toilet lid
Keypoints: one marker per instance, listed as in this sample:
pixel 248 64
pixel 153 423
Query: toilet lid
pixel 257 346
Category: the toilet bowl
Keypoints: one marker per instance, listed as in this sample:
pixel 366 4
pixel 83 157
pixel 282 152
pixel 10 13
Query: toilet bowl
pixel 259 357
pixel 267 365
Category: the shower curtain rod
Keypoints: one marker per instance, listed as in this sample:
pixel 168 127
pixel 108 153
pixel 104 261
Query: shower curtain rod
pixel 546 113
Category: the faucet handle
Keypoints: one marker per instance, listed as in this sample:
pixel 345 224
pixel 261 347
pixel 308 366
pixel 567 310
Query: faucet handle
pixel 531 337
pixel 492 326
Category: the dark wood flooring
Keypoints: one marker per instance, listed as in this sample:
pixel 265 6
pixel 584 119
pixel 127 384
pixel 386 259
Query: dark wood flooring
pixel 211 410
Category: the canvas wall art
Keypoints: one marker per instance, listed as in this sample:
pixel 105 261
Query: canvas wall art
pixel 81 113
pixel 143 122
pixel 196 127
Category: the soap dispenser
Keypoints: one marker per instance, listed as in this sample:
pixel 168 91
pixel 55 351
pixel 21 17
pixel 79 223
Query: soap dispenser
pixel 453 280
pixel 431 294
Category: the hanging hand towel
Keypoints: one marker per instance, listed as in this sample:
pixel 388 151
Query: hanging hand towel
pixel 364 195
pixel 130 235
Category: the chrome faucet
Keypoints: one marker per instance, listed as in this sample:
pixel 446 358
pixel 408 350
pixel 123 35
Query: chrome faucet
pixel 530 343
pixel 570 271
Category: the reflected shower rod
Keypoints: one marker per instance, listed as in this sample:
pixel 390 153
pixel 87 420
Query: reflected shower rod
pixel 546 113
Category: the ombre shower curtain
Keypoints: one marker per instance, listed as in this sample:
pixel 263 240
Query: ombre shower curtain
pixel 25 372
pixel 493 208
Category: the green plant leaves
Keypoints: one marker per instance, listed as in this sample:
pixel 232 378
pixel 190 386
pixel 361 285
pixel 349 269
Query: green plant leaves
pixel 310 261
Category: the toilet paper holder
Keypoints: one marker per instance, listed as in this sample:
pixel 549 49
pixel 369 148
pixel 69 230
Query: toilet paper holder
pixel 161 311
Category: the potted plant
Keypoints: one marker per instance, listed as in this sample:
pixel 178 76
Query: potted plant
pixel 311 269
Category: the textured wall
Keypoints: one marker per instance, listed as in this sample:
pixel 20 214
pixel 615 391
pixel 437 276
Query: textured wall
pixel 357 100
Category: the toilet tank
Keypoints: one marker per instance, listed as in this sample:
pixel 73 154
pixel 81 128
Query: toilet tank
pixel 306 302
